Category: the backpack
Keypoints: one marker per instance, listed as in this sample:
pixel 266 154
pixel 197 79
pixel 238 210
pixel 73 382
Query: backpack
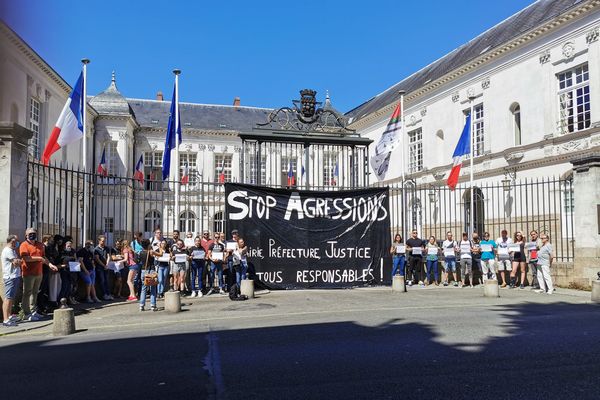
pixel 234 293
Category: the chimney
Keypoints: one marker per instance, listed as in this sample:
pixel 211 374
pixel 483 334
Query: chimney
pixel 159 96
pixel 236 102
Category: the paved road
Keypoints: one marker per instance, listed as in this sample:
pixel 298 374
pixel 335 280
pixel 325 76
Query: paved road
pixel 435 343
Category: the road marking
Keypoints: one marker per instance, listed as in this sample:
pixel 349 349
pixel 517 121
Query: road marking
pixel 212 363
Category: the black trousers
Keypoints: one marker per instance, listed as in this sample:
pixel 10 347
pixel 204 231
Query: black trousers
pixel 415 266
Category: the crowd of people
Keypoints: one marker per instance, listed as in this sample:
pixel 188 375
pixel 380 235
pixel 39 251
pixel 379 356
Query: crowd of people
pixel 43 273
pixel 505 259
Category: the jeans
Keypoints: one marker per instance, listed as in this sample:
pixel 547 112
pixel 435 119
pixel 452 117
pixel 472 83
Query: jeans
pixel 65 286
pixel 163 278
pixel 450 265
pixel 432 265
pixel 103 280
pixel 31 286
pixel 240 271
pixel 153 290
pixel 399 263
pixel 533 267
pixel 196 273
pixel 218 268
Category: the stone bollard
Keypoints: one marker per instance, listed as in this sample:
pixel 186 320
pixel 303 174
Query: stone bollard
pixel 172 302
pixel 491 288
pixel 398 284
pixel 63 322
pixel 596 291
pixel 247 288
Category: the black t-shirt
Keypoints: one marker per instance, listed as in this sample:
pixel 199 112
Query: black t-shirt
pixel 67 256
pixel 149 265
pixel 52 254
pixel 476 255
pixel 88 258
pixel 196 248
pixel 414 243
pixel 102 254
pixel 177 250
pixel 217 247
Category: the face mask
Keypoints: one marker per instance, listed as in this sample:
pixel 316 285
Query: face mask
pixel 68 248
pixel 32 236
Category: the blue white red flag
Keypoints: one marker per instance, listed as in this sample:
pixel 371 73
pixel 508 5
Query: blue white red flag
pixel 173 136
pixel 102 169
pixel 463 147
pixel 139 170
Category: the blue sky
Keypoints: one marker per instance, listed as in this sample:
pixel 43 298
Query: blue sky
pixel 261 51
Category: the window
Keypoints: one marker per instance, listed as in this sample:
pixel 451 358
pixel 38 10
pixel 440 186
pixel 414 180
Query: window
pixel 574 99
pixel 330 169
pixel 285 167
pixel 187 222
pixel 190 160
pixel 109 224
pixel 415 150
pixel 34 126
pixel 151 221
pixel 515 109
pixel 153 170
pixel 223 165
pixel 568 197
pixel 478 135
pixel 218 222
pixel 113 160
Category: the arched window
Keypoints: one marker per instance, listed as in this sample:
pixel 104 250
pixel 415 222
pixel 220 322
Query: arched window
pixel 187 222
pixel 515 110
pixel 479 211
pixel 218 222
pixel 152 221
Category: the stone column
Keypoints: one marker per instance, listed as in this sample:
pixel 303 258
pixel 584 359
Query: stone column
pixel 586 192
pixel 13 179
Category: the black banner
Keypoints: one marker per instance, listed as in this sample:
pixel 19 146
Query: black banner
pixel 300 239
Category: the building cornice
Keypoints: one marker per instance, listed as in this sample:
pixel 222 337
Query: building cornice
pixel 479 61
pixel 191 132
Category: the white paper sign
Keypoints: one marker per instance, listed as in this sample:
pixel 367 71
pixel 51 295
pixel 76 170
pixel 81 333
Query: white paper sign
pixel 514 247
pixel 231 245
pixel 486 247
pixel 400 249
pixel 432 250
pixel 503 251
pixel 465 248
pixel 217 255
pixel 417 251
pixel 532 246
pixel 164 258
pixel 198 254
pixel 449 253
pixel 116 266
pixel 180 258
pixel 74 266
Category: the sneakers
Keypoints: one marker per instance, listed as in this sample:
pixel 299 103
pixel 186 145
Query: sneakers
pixel 410 283
pixel 132 298
pixel 540 291
pixel 33 317
pixel 221 291
pixel 154 308
pixel 89 300
pixel 14 318
pixel 96 300
pixel 9 322
pixel 142 308
pixel 445 283
pixel 193 294
pixel 107 297
pixel 73 301
pixel 522 287
pixel 455 284
pixel 199 294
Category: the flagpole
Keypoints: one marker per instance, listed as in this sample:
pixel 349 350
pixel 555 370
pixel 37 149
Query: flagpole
pixel 472 142
pixel 177 174
pixel 402 169
pixel 84 228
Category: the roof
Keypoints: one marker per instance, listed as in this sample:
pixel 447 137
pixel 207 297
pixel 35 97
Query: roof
pixel 155 113
pixel 525 20
pixel 111 101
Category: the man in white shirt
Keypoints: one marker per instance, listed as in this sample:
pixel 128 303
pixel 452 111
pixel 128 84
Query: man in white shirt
pixel 11 275
pixel 449 249
pixel 504 262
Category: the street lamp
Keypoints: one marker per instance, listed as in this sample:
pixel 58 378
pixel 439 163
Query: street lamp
pixel 432 194
pixel 509 177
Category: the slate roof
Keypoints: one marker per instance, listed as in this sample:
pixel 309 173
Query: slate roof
pixel 514 26
pixel 155 113
pixel 110 101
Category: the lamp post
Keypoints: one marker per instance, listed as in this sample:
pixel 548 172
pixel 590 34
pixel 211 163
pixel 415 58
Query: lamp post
pixel 432 194
pixel 509 178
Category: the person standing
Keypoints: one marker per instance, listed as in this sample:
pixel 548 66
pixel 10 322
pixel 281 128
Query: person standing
pixel 229 272
pixel 67 255
pixel 488 264
pixel 179 258
pixel 11 276
pixel 449 248
pixel 414 247
pixel 533 246
pixel 398 252
pixel 206 242
pixel 432 260
pixel 545 258
pixel 466 260
pixel 504 262
pixel 240 261
pixel 101 255
pixel 136 246
pixel 162 260
pixel 88 272
pixel 216 253
pixel 129 258
pixel 519 261
pixel 198 258
pixel 148 266
pixel 50 286
pixel 33 255
pixel 476 253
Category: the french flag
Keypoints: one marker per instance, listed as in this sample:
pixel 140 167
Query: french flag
pixel 69 126
pixel 139 173
pixel 185 177
pixel 222 174
pixel 291 179
pixel 102 170
pixel 462 148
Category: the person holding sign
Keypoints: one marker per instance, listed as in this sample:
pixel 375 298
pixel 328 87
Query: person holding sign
pixel 230 247
pixel 466 260
pixel 163 258
pixel 148 267
pixel 504 262
pixel 179 256
pixel 476 253
pixel 88 273
pixel 517 250
pixel 216 254
pixel 533 246
pixel 487 257
pixel 545 257
pixel 68 262
pixel 11 275
pixel 449 248
pixel 240 261
pixel 398 252
pixel 414 247
pixel 198 256
pixel 432 260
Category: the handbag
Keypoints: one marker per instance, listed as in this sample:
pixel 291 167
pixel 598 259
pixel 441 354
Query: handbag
pixel 150 278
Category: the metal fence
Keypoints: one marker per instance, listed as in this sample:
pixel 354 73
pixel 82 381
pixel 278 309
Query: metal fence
pixel 120 206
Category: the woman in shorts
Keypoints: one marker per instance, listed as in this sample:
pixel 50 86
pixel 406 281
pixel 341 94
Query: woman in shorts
pixel 399 259
pixel 519 261
pixel 134 268
pixel 11 275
